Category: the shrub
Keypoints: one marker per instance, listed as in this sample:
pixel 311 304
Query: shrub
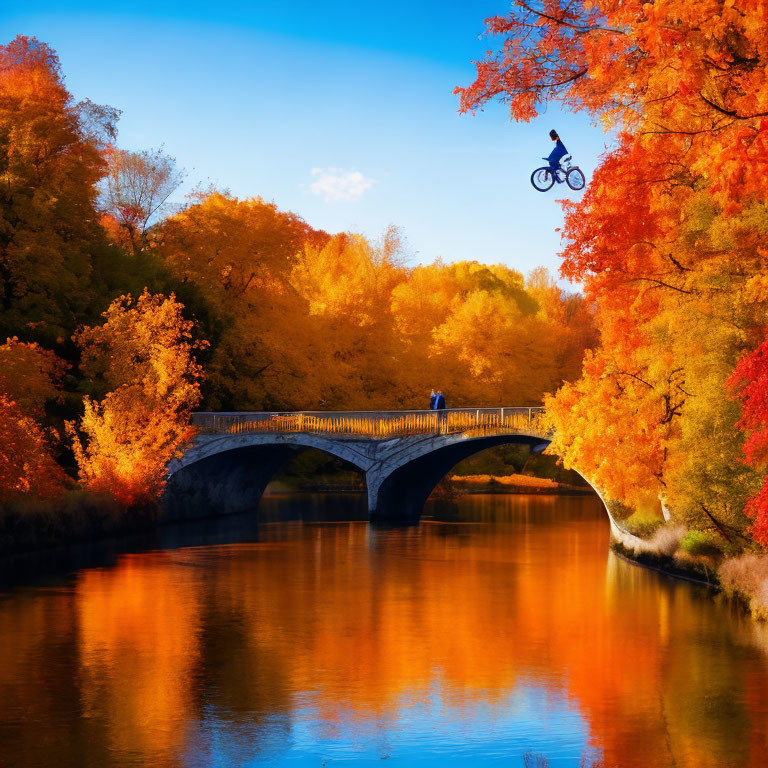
pixel 666 539
pixel 642 526
pixel 699 543
pixel 747 577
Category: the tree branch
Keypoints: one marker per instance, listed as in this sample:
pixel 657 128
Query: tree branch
pixel 731 112
pixel 661 284
pixel 582 29
pixel 633 376
pixel 717 524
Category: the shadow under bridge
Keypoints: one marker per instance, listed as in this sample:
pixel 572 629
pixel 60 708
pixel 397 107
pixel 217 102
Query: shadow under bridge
pixel 403 454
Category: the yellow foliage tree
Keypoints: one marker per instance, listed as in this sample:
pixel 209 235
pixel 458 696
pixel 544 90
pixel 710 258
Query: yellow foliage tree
pixel 348 285
pixel 144 354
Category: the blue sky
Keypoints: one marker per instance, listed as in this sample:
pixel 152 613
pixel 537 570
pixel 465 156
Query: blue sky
pixel 340 111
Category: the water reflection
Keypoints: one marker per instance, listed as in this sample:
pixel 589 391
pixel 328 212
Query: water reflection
pixel 510 628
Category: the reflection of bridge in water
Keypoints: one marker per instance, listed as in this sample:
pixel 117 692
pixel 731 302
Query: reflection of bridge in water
pixel 403 454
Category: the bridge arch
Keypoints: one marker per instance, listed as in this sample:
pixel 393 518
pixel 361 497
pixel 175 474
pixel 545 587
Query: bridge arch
pixel 228 475
pixel 399 496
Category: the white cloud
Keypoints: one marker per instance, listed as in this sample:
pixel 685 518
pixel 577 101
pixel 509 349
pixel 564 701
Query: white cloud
pixel 336 185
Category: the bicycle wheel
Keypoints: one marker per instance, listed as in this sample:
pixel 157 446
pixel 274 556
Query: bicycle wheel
pixel 575 178
pixel 542 179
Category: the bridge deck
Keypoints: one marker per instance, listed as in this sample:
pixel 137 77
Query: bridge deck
pixel 378 425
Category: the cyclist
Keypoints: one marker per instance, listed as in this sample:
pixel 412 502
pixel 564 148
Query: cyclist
pixel 556 155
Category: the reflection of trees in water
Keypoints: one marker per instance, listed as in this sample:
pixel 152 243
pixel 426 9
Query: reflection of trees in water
pixel 203 650
pixel 247 698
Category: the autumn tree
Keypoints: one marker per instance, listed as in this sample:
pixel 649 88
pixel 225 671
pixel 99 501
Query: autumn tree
pixel 143 354
pixel 570 321
pixel 240 255
pixel 481 334
pixel 750 382
pixel 26 464
pixel 347 285
pixel 31 376
pixel 135 192
pixel 667 238
pixel 51 163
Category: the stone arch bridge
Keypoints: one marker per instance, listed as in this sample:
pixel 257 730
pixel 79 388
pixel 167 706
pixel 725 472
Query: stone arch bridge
pixel 403 454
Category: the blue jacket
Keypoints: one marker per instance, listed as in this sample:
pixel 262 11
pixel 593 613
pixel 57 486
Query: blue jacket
pixel 558 152
pixel 432 401
pixel 440 403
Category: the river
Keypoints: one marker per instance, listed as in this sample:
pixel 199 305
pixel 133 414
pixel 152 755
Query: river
pixel 314 639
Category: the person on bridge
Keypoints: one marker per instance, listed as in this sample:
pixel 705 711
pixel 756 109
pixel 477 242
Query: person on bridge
pixel 432 400
pixel 439 401
pixel 557 154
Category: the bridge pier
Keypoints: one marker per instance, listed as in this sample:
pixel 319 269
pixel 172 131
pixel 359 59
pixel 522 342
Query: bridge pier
pixel 396 501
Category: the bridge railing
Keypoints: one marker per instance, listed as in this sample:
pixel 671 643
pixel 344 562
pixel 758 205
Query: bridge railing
pixel 377 425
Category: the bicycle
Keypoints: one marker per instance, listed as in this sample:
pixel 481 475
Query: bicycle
pixel 543 179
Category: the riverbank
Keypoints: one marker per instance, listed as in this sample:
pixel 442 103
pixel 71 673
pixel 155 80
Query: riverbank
pixel 513 484
pixel 701 573
pixel 674 551
pixel 459 484
pixel 34 525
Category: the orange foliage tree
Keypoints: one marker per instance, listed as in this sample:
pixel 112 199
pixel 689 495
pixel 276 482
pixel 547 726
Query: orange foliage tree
pixel 29 377
pixel 239 255
pixel 668 238
pixel 143 354
pixel 26 464
pixel 49 232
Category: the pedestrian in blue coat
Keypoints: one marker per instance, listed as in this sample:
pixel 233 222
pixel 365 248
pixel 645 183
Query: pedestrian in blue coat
pixel 432 400
pixel 439 401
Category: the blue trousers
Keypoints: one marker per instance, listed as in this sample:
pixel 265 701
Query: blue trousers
pixel 555 166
